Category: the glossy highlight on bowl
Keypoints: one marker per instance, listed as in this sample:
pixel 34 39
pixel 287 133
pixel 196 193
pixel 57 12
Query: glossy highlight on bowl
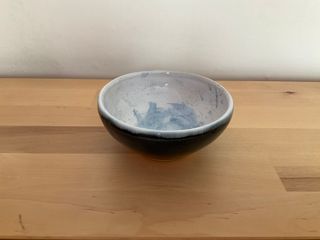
pixel 164 112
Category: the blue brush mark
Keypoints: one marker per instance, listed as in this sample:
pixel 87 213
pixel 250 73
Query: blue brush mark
pixel 177 117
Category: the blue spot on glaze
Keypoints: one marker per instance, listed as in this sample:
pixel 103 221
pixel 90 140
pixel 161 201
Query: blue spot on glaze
pixel 145 74
pixel 217 100
pixel 177 117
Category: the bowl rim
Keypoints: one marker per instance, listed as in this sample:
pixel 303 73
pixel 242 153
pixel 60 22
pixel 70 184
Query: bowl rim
pixel 164 133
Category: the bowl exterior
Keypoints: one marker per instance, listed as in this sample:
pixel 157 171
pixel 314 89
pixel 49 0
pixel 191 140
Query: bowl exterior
pixel 164 146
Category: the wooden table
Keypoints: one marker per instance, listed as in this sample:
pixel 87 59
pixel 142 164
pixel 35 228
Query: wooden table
pixel 63 176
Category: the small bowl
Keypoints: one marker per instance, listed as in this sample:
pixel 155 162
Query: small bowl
pixel 163 112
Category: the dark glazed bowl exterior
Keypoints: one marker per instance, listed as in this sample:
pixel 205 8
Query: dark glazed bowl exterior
pixel 164 146
pixel 164 143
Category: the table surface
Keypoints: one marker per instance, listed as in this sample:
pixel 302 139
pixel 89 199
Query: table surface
pixel 63 176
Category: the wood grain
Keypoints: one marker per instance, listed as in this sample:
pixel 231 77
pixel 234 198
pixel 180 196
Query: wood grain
pixel 63 177
pixel 300 178
pixel 31 139
pixel 45 102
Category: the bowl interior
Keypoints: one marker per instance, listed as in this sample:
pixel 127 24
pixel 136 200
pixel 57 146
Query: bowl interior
pixel 165 100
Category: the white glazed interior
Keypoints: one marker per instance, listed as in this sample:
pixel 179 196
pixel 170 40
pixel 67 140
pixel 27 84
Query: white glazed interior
pixel 127 99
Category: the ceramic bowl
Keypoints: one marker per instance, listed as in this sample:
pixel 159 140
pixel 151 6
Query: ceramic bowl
pixel 164 112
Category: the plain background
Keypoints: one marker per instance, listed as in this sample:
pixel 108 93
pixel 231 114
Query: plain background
pixel 227 39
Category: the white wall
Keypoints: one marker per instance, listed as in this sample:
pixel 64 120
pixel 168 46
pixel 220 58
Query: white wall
pixel 266 39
